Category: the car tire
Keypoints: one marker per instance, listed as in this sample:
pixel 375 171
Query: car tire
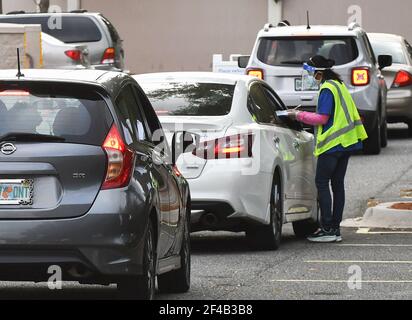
pixel 178 281
pixel 304 228
pixel 373 144
pixel 384 134
pixel 267 237
pixel 142 287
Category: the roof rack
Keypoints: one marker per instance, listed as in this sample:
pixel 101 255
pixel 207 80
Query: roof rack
pixel 16 12
pixel 79 11
pixel 268 26
pixel 353 26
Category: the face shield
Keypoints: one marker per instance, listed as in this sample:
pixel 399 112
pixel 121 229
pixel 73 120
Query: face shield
pixel 309 83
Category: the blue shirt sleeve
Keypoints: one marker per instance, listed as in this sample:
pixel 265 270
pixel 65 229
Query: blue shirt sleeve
pixel 326 102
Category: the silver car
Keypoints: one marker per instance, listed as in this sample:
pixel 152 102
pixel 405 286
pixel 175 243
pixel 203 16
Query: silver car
pixel 279 53
pixel 398 77
pixel 83 185
pixel 79 28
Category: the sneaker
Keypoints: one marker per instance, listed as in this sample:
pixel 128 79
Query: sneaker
pixel 338 235
pixel 323 235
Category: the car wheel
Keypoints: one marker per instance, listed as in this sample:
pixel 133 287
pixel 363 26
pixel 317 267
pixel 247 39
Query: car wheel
pixel 142 287
pixel 178 281
pixel 373 144
pixel 304 228
pixel 268 236
pixel 384 134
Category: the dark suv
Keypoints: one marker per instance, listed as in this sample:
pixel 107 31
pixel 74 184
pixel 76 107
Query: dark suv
pixel 85 185
pixel 79 28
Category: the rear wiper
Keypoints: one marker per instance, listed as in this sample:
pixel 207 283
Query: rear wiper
pixel 291 62
pixel 29 137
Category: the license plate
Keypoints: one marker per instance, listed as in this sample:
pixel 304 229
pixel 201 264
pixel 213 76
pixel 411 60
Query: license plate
pixel 307 86
pixel 16 192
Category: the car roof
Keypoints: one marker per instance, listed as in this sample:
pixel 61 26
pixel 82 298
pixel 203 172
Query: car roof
pixel 193 76
pixel 38 14
pixel 111 81
pixel 315 30
pixel 385 36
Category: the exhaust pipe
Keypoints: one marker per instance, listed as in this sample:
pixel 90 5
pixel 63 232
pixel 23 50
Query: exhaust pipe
pixel 209 220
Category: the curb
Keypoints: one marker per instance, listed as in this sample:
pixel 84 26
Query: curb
pixel 382 217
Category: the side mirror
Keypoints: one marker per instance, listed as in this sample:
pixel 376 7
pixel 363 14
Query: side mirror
pixel 384 61
pixel 183 142
pixel 243 61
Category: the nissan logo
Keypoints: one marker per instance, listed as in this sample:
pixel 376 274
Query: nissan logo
pixel 8 148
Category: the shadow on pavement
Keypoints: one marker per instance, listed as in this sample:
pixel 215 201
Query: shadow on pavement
pixel 398 132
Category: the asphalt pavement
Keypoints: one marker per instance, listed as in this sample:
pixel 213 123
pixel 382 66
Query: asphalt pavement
pixel 374 265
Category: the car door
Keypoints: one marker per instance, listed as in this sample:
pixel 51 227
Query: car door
pixel 136 134
pixel 279 139
pixel 303 146
pixel 158 138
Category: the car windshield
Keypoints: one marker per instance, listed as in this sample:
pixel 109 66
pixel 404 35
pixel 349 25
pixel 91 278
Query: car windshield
pixel 73 113
pixel 389 48
pixel 190 98
pixel 69 29
pixel 297 50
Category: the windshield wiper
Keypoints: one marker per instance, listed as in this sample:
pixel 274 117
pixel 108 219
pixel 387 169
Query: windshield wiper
pixel 30 137
pixel 292 62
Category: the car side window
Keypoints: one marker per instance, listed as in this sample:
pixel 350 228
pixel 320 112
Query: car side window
pixel 369 49
pixel 153 124
pixel 262 110
pixel 409 49
pixel 130 116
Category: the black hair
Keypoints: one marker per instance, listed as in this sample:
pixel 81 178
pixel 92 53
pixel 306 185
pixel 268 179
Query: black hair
pixel 329 74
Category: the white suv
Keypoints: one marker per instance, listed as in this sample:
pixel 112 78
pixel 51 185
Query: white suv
pixel 279 53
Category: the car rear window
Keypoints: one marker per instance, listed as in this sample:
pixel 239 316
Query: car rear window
pixel 73 29
pixel 297 50
pixel 190 98
pixel 73 112
pixel 389 48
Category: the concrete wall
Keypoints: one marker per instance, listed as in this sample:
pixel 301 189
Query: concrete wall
pixel 375 15
pixel 178 35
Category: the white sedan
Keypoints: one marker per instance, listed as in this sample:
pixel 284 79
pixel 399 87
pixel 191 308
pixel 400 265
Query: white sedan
pixel 254 170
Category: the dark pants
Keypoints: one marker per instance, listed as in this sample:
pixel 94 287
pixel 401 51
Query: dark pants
pixel 331 169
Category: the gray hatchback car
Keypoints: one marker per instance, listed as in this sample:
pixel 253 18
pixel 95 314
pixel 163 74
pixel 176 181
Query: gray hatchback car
pixel 85 186
pixel 278 56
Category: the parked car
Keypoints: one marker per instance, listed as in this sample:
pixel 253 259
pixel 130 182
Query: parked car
pixel 58 55
pixel 82 185
pixel 79 28
pixel 398 76
pixel 279 53
pixel 252 171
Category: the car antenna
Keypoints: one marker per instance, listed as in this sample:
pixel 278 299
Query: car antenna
pixel 307 19
pixel 19 74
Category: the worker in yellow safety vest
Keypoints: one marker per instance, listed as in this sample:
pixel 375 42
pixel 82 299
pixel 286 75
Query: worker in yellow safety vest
pixel 339 133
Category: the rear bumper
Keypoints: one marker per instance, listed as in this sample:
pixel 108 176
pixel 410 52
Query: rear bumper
pixel 106 242
pixel 226 191
pixel 399 105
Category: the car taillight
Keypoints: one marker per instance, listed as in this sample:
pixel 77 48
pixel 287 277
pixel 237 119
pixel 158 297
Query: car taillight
pixel 75 55
pixel 360 76
pixel 230 147
pixel 402 79
pixel 255 72
pixel 14 93
pixel 119 161
pixel 109 56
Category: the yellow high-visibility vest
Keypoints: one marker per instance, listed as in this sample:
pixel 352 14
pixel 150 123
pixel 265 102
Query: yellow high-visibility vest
pixel 347 128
